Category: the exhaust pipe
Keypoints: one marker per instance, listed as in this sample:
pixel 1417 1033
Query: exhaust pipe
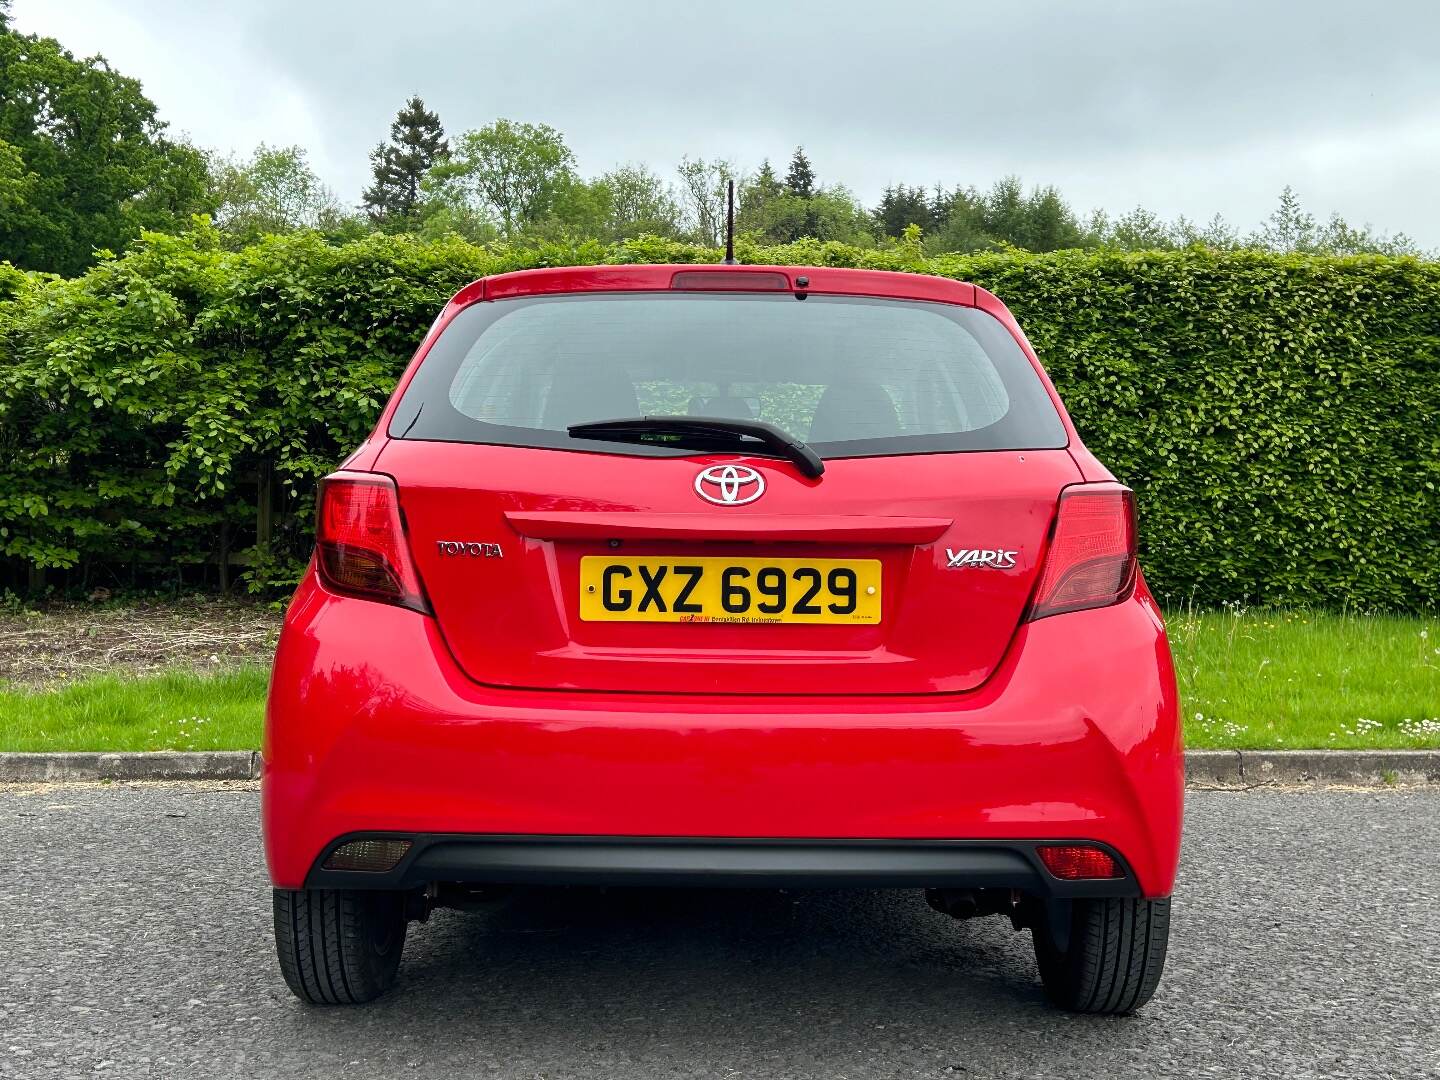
pixel 970 903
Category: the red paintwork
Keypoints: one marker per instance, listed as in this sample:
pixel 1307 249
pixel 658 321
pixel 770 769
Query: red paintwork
pixel 631 524
pixel 504 713
pixel 511 621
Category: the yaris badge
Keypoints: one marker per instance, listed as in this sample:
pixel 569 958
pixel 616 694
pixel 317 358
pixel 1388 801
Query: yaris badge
pixel 987 559
pixel 729 485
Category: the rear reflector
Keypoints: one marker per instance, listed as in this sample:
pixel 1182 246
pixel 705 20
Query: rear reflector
pixel 1091 561
pixel 731 280
pixel 360 547
pixel 1072 862
pixel 374 856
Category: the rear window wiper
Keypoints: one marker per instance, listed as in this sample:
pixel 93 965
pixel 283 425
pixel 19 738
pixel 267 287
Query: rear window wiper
pixel 705 433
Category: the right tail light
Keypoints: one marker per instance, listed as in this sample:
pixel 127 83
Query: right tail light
pixel 1091 561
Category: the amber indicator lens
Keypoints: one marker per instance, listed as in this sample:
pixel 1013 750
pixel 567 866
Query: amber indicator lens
pixel 375 856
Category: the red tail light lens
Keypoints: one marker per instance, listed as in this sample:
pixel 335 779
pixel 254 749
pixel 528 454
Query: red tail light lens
pixel 1091 562
pixel 1074 862
pixel 360 547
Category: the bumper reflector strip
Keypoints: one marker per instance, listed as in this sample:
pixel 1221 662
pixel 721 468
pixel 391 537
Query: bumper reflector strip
pixel 1072 862
pixel 375 856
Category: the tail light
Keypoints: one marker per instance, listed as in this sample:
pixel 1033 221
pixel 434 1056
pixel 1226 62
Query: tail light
pixel 1075 862
pixel 360 547
pixel 1091 562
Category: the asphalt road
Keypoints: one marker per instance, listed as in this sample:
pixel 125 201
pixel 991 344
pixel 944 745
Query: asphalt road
pixel 135 942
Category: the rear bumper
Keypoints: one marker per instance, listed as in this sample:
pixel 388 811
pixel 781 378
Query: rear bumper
pixel 372 729
pixel 712 862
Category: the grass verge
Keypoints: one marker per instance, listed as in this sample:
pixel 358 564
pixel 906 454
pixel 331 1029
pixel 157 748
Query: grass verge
pixel 1259 680
pixel 1248 680
pixel 179 710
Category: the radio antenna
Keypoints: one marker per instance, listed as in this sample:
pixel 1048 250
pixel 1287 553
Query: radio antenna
pixel 730 223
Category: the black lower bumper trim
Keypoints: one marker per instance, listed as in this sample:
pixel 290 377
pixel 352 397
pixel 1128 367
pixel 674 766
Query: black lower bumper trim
pixel 718 862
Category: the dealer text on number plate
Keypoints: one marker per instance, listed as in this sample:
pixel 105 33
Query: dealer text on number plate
pixel 711 589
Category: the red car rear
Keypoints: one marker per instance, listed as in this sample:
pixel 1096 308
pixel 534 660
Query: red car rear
pixel 720 575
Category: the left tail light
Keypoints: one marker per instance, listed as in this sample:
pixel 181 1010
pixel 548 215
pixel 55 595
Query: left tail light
pixel 360 545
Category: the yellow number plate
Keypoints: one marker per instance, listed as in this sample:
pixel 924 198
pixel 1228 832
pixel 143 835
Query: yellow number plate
pixel 722 590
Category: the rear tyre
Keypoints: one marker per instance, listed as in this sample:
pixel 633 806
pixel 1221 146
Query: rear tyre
pixel 1114 955
pixel 339 946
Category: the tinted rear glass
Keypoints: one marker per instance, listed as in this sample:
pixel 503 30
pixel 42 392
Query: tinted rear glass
pixel 852 376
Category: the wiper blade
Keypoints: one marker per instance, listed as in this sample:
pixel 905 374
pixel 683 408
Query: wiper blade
pixel 720 433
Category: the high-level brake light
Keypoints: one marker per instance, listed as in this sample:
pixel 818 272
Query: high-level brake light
pixel 731 280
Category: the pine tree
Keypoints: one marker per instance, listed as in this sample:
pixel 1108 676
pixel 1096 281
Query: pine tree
pixel 766 184
pixel 800 180
pixel 417 142
pixel 901 206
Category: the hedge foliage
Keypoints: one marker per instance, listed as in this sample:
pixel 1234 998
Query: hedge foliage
pixel 1279 416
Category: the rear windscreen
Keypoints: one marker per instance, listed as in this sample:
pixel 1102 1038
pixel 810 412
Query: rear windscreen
pixel 852 376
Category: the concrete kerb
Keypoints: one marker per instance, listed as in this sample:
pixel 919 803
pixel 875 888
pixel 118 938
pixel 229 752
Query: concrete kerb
pixel 1363 768
pixel 29 768
pixel 1203 768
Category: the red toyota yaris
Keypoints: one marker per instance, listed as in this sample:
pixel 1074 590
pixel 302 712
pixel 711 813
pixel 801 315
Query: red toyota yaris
pixel 721 575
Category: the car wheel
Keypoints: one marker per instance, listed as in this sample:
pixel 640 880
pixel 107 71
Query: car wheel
pixel 339 946
pixel 1102 955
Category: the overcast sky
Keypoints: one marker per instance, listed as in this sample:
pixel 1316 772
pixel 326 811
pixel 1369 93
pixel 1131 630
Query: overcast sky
pixel 1185 108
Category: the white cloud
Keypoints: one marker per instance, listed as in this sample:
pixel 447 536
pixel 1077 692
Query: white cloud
pixel 1185 108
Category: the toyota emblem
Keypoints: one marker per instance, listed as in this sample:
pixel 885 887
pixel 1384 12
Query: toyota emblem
pixel 729 485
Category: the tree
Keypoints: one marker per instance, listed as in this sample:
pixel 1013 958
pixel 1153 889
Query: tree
pixel 800 179
pixel 1338 237
pixel 1038 221
pixel 901 206
pixel 1004 210
pixel 833 213
pixel 1291 228
pixel 1217 233
pixel 755 204
pixel 508 170
pixel 1136 230
pixel 87 165
pixel 702 197
pixel 960 218
pixel 417 144
pixel 274 191
pixel 1288 228
pixel 579 210
pixel 440 218
pixel 639 202
pixel 15 180
pixel 1049 224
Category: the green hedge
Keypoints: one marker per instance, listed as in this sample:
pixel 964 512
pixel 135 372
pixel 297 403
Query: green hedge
pixel 1279 416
